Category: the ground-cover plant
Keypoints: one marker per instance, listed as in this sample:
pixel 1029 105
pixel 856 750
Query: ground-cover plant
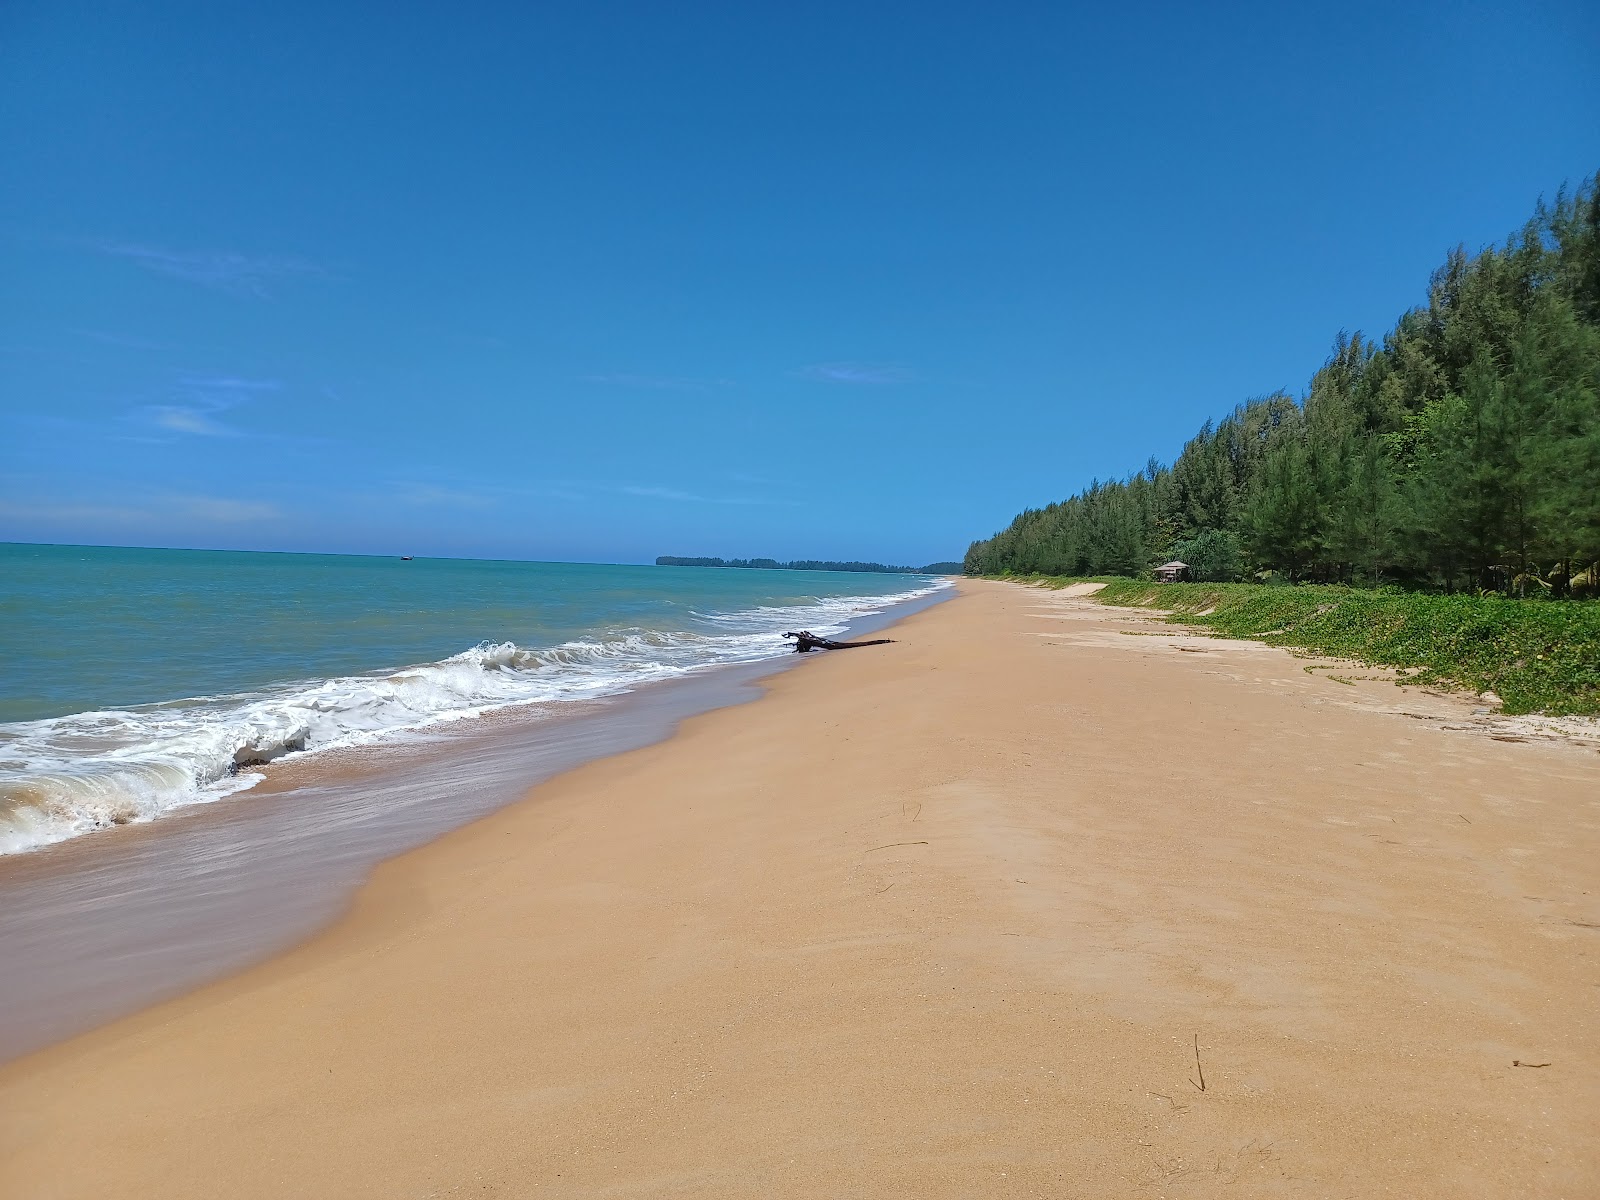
pixel 1537 656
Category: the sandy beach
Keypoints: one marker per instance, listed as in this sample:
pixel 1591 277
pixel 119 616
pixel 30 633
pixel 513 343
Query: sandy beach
pixel 1045 899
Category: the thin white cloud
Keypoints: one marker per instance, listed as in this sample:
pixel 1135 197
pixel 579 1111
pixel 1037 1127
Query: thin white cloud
pixel 179 419
pixel 856 373
pixel 221 270
pixel 204 397
pixel 227 383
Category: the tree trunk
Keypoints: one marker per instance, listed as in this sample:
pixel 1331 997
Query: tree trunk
pixel 806 641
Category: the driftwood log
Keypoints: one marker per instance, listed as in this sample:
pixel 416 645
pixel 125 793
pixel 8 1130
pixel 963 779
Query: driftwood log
pixel 805 641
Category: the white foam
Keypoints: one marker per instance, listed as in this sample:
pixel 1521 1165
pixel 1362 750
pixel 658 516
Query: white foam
pixel 71 775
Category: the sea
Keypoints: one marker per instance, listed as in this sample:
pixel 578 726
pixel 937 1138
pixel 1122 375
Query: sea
pixel 139 682
pixel 204 753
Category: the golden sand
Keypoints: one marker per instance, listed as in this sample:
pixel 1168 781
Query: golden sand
pixel 949 918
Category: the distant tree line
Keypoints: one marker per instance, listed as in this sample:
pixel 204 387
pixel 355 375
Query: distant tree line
pixel 809 564
pixel 1461 453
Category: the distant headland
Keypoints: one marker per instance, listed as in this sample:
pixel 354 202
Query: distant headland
pixel 808 564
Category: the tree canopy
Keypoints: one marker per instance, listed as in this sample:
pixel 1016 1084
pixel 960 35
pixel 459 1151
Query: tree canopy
pixel 1462 452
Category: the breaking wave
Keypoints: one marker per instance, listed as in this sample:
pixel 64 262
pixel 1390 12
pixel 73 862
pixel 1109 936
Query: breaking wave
pixel 65 776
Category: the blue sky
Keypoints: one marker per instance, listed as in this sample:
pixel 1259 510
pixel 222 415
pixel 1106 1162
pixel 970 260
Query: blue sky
pixel 604 281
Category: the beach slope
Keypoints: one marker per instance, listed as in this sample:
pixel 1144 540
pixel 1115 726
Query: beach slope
pixel 1044 899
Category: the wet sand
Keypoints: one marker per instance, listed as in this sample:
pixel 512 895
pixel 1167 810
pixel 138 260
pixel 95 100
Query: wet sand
pixel 951 917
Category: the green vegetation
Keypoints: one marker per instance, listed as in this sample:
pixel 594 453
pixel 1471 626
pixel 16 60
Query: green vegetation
pixel 1462 454
pixel 1536 657
pixel 808 564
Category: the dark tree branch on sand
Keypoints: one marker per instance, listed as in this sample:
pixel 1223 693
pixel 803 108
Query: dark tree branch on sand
pixel 805 641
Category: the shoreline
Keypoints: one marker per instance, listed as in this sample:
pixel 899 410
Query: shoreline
pixel 85 769
pixel 940 920
pixel 101 926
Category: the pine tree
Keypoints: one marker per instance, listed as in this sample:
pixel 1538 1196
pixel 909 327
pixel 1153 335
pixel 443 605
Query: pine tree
pixel 1282 516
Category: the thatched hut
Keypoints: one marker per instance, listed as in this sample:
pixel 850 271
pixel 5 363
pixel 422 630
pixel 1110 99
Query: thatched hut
pixel 1172 572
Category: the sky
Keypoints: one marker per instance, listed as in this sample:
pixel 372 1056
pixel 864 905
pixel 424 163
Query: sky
pixel 600 281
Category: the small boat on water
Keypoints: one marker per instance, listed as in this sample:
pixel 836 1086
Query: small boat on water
pixel 407 557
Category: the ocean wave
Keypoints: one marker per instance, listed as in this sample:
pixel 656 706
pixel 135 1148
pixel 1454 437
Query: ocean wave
pixel 66 776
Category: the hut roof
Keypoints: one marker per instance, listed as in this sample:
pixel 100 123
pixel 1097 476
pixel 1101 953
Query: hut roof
pixel 1174 565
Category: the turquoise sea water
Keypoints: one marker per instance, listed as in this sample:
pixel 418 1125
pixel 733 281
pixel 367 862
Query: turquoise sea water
pixel 137 681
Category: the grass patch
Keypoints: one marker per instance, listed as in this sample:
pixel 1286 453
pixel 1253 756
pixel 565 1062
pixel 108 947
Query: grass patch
pixel 1537 656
